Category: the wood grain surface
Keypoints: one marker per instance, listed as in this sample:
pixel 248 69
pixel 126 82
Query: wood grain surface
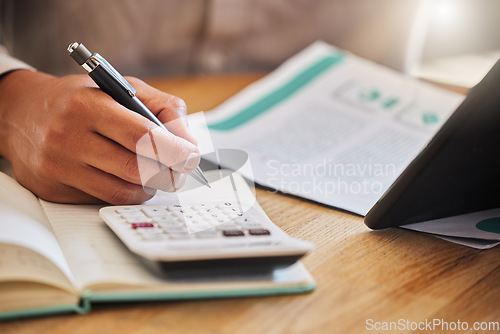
pixel 361 274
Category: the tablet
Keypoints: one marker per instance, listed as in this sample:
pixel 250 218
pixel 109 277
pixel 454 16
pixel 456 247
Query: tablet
pixel 458 171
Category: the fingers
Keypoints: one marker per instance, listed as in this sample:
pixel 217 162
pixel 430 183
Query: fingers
pixel 141 136
pixel 72 143
pixel 166 180
pixel 69 195
pixel 141 151
pixel 178 127
pixel 56 192
pixel 107 187
pixel 175 148
pixel 157 176
pixel 128 166
pixel 170 110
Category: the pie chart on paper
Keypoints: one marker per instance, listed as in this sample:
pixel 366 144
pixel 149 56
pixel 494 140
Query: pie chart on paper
pixel 491 225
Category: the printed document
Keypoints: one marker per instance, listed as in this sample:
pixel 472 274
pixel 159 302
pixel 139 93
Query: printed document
pixel 329 126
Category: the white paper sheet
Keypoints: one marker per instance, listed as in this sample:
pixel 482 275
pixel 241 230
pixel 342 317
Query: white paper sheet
pixel 329 126
pixel 477 229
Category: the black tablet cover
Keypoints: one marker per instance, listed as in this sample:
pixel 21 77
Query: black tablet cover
pixel 459 170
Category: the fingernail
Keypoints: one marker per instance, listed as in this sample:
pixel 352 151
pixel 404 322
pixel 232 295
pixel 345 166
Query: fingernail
pixel 192 161
pixel 181 105
pixel 179 180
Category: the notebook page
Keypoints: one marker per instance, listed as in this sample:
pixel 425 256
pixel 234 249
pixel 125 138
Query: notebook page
pixel 96 256
pixel 28 248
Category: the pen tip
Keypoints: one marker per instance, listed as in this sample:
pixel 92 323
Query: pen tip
pixel 208 185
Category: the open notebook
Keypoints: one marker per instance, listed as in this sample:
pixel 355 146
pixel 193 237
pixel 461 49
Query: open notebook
pixel 58 258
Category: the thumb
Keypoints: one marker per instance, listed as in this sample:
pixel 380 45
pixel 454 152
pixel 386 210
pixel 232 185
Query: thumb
pixel 168 149
pixel 170 110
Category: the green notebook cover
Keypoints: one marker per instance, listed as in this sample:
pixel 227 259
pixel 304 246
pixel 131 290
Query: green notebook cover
pixel 303 283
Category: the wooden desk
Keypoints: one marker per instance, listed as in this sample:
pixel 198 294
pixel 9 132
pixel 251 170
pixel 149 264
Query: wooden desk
pixel 385 275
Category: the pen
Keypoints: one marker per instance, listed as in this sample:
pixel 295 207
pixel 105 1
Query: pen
pixel 114 84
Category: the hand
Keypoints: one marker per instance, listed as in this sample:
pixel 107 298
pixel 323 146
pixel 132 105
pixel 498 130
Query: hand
pixel 70 142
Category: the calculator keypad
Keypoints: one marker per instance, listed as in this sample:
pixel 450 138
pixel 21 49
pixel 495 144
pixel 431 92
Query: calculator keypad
pixel 184 222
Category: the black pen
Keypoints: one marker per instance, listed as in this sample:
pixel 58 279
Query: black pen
pixel 114 84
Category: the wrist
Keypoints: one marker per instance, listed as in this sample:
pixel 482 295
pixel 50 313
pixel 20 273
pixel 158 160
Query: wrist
pixel 17 89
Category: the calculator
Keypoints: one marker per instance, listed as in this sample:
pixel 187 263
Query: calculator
pixel 214 231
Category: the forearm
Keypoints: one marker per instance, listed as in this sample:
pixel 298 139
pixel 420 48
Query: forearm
pixel 16 87
pixel 7 82
pixel 8 65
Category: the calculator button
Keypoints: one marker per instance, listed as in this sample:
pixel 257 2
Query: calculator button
pixel 142 225
pixel 152 236
pixel 179 236
pixel 204 210
pixel 233 233
pixel 130 213
pixel 133 214
pixel 137 220
pixel 127 210
pixel 154 212
pixel 175 229
pixel 176 213
pixel 207 234
pixel 199 228
pixel 260 231
pixel 164 219
pixel 201 223
pixel 252 226
pixel 170 223
pixel 149 231
pixel 227 226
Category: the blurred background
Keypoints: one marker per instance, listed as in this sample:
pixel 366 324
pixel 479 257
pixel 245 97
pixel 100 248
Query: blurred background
pixel 454 41
pixel 152 38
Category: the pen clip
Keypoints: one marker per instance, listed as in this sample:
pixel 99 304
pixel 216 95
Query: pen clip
pixel 111 70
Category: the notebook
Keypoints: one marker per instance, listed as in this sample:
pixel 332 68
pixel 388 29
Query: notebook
pixel 57 258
